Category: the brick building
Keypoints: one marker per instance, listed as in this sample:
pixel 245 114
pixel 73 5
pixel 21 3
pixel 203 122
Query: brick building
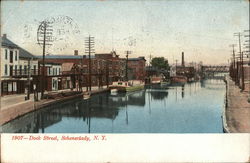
pixel 52 76
pixel 136 68
pixel 116 65
pixel 101 64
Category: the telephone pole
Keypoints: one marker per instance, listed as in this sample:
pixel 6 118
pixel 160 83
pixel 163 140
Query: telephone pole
pixel 241 61
pixel 29 74
pixel 89 49
pixel 233 73
pixel 44 35
pixel 107 73
pixel 127 53
pixel 247 51
pixel 150 57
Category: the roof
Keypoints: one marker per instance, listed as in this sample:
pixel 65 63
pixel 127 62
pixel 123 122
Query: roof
pixel 137 59
pixel 22 52
pixel 67 66
pixel 8 43
pixel 25 54
pixel 51 63
pixel 64 56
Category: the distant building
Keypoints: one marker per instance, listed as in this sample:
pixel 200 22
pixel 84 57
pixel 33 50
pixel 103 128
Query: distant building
pixel 15 65
pixel 136 68
pixel 71 81
pixel 116 65
pixel 100 64
pixel 154 75
pixel 188 72
pixel 52 75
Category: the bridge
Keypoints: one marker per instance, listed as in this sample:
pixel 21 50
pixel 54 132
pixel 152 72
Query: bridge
pixel 214 72
pixel 215 69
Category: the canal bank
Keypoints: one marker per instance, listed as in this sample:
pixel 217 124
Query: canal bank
pixel 236 117
pixel 19 107
pixel 190 108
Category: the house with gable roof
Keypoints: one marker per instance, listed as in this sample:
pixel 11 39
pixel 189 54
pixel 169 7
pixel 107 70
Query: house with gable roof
pixel 17 64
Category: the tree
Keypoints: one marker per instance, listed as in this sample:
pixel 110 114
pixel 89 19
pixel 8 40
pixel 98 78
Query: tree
pixel 160 63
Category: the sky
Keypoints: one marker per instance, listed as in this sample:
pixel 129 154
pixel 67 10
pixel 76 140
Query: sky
pixel 203 30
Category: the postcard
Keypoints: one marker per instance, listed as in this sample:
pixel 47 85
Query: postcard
pixel 125 81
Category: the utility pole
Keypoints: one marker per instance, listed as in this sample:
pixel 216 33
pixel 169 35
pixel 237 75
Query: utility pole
pixel 107 73
pixel 89 49
pixel 127 53
pixel 247 43
pixel 176 67
pixel 234 76
pixel 29 74
pixel 247 47
pixel 241 61
pixel 44 44
pixel 44 35
pixel 150 57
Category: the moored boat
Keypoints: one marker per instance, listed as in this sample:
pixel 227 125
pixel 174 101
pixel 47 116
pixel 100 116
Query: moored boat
pixel 179 79
pixel 127 86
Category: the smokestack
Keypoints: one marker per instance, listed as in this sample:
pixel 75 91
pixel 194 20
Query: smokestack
pixel 182 60
pixel 75 52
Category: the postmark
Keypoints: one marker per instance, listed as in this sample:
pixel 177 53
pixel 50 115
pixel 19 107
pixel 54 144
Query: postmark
pixel 60 33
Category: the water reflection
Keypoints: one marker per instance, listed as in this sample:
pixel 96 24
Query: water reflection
pixel 173 109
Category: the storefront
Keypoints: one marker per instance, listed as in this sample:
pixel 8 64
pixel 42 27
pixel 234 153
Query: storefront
pixel 9 87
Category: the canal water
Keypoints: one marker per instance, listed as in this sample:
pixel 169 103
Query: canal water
pixel 191 108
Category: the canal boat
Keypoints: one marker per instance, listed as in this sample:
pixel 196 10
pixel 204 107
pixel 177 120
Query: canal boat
pixel 164 83
pixel 127 86
pixel 156 80
pixel 179 79
pixel 86 96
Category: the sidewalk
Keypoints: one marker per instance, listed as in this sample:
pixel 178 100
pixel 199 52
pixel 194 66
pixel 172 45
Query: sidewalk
pixel 238 109
pixel 9 100
pixel 13 106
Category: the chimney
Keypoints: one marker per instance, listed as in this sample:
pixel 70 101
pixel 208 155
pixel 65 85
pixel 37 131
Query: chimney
pixel 75 52
pixel 182 60
pixel 4 35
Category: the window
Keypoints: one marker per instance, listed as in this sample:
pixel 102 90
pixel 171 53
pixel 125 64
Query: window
pixel 34 67
pixel 49 71
pixel 11 70
pixel 25 69
pixel 59 71
pixel 20 69
pixel 6 54
pixel 15 55
pixel 11 56
pixel 5 69
pixel 15 69
pixel 53 83
pixel 56 71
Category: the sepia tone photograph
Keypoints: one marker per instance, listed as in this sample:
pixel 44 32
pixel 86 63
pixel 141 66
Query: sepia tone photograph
pixel 124 67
